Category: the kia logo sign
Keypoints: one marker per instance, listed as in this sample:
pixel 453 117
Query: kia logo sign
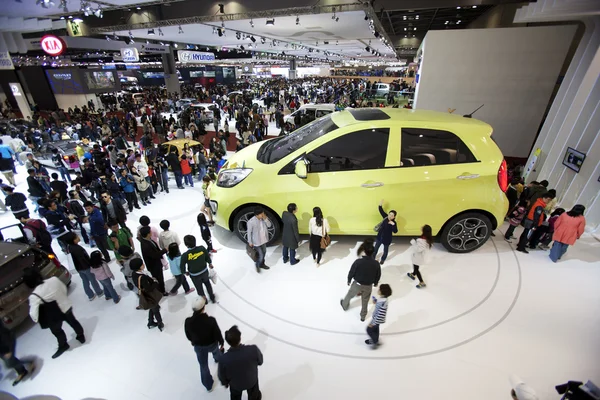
pixel 53 45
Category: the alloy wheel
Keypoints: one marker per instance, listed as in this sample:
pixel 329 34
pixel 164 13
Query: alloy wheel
pixel 242 226
pixel 467 234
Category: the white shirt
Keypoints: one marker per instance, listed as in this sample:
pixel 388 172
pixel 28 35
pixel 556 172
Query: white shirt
pixel 51 290
pixel 318 230
pixel 141 167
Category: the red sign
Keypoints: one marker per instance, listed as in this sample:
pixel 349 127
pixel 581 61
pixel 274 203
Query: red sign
pixel 53 45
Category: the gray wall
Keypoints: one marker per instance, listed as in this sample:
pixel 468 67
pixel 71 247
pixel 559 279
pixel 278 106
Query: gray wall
pixel 511 70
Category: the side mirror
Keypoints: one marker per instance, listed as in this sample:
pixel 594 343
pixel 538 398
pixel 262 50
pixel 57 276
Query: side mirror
pixel 301 169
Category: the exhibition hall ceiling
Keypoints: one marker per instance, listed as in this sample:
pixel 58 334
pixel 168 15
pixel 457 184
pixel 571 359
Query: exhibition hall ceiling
pixel 30 8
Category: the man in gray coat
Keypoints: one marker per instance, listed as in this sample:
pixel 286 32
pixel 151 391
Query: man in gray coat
pixel 258 236
pixel 290 236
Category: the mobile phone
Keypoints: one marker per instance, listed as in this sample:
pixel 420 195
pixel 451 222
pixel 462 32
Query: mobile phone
pixel 374 298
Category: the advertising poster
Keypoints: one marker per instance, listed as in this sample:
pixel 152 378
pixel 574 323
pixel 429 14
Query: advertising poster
pixel 65 81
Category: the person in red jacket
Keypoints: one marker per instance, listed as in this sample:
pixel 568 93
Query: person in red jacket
pixel 567 229
pixel 186 170
pixel 534 218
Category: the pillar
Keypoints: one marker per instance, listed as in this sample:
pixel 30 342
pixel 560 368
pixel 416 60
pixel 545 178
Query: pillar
pixel 293 72
pixel 171 78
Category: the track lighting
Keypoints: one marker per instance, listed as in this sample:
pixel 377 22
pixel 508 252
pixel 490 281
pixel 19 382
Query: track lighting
pixel 242 48
pixel 252 23
pixel 160 32
pixel 180 31
pixel 221 32
pixel 98 12
pixel 367 49
pixel 115 37
pixel 222 8
pixel 377 34
pixel 263 40
pixel 271 22
pixel 108 39
pixel 63 6
pixel 297 20
pixel 238 35
pixel 252 39
pixel 151 32
pixel 214 30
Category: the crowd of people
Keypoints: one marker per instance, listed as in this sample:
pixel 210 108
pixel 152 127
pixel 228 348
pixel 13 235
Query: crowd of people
pixel 399 73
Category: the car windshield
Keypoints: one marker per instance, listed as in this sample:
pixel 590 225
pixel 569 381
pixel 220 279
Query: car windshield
pixel 276 149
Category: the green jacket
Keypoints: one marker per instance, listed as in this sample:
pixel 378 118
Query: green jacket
pixel 196 260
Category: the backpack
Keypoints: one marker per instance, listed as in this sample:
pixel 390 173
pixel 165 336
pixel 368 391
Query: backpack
pixel 41 235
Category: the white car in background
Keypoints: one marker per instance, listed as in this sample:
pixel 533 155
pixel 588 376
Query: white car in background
pixel 183 103
pixel 315 111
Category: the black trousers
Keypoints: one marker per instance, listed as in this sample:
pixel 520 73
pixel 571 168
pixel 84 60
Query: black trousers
pixel 13 362
pixel 180 281
pixel 417 273
pixel 131 200
pixel 102 243
pixel 315 247
pixel 253 393
pixel 157 273
pixel 57 330
pixel 509 231
pixel 209 246
pixel 154 315
pixel 537 234
pixel 523 239
pixel 198 280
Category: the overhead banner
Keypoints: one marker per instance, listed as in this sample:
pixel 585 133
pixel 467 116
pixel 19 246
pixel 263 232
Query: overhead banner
pixel 5 60
pixel 187 56
pixel 130 54
pixel 154 48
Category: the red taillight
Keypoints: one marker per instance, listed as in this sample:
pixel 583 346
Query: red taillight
pixel 503 177
pixel 54 260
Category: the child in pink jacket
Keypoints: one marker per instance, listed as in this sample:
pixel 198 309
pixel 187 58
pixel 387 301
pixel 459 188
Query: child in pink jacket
pixel 104 275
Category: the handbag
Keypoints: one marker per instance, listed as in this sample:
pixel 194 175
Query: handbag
pixel 212 275
pixel 252 252
pixel 325 239
pixel 49 313
pixel 378 226
pixel 149 299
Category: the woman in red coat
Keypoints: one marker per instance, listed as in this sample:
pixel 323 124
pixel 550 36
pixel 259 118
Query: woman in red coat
pixel 567 229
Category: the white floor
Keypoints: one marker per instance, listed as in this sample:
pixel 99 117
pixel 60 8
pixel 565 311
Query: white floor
pixel 483 317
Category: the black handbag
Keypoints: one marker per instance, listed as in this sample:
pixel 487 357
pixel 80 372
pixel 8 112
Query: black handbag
pixel 49 313
pixel 252 252
pixel 149 298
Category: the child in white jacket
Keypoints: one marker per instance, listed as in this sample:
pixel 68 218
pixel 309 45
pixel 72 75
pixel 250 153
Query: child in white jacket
pixel 420 248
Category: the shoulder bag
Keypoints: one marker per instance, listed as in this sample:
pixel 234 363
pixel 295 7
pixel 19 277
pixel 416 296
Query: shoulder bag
pixel 378 226
pixel 325 239
pixel 149 299
pixel 49 313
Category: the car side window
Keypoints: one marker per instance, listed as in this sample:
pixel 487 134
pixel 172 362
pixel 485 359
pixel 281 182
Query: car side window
pixel 320 113
pixel 421 147
pixel 358 150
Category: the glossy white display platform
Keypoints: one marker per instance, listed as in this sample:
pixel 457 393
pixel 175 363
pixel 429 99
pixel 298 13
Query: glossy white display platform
pixel 484 316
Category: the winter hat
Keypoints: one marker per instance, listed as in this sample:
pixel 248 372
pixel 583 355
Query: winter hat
pixel 198 303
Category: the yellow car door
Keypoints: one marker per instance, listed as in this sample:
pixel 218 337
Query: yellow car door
pixel 346 178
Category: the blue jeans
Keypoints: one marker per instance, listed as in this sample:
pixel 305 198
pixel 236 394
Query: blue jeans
pixel 178 176
pixel 386 247
pixel 34 200
pixel 558 250
pixel 188 180
pixel 64 173
pixel 292 255
pixel 261 251
pixel 88 277
pixel 165 178
pixel 109 290
pixel 202 355
pixel 201 172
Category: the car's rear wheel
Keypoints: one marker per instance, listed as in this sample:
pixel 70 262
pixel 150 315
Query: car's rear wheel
pixel 466 232
pixel 240 224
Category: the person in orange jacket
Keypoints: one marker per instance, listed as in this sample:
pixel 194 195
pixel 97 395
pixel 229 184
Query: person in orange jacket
pixel 186 170
pixel 567 229
pixel 534 218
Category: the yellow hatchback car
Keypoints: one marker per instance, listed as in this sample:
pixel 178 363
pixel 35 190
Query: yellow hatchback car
pixel 432 168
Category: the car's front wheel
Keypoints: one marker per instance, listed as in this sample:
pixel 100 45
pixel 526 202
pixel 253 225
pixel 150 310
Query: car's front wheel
pixel 466 232
pixel 240 224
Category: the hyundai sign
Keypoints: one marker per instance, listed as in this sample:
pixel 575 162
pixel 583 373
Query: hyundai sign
pixel 186 56
pixel 130 54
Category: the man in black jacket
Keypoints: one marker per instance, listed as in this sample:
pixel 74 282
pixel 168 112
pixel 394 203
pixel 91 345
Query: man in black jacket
pixel 36 190
pixel 112 209
pixel 205 335
pixel 81 261
pixel 238 367
pixel 152 255
pixel 175 165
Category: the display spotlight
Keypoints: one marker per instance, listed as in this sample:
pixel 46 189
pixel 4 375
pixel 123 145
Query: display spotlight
pixel 376 34
pixel 333 16
pixel 151 32
pixel 108 39
pixel 214 30
pixel 160 32
pixel 222 8
pixel 242 48
pixel 131 41
pixel 98 12
pixel 263 40
pixel 63 6
pixel 297 20
pixel 147 41
pixel 367 49
pixel 252 23
pixel 271 22
pixel 220 32
pixel 175 45
pixel 238 35
pixel 115 37
pixel 180 31
pixel 252 39
pixel 130 35
pixel 367 17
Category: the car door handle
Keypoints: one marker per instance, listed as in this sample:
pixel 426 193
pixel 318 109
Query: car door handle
pixel 372 185
pixel 464 177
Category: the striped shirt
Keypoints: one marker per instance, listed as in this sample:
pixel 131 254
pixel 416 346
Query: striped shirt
pixel 380 311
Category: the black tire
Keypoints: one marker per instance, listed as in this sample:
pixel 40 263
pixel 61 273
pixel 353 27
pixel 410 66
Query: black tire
pixel 244 215
pixel 466 232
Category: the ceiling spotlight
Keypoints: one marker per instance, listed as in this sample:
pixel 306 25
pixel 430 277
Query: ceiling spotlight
pixel 98 12
pixel 222 8
pixel 447 22
pixel 180 31
pixel 263 40
pixel 115 37
pixel 367 17
pixel 242 48
pixel 220 32
pixel 138 8
pixel 160 32
pixel 337 19
pixel 417 17
pixel 162 43
pixel 405 29
pixel 214 30
pixel 333 16
pixel 297 20
pixel 252 39
pixel 337 42
pixel 415 29
pixel 175 45
pixel 62 17
pixel 376 34
pixel 474 7
pixel 151 32
pixel 108 39
pixel 63 5
pixel 222 23
pixel 238 35
pixel 271 22
pixel 252 23
pixel 367 49
pixel 131 41
pixel 458 8
pixel 77 20
pixel 458 22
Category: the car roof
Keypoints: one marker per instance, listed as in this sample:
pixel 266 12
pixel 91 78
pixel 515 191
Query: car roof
pixel 10 250
pixel 345 118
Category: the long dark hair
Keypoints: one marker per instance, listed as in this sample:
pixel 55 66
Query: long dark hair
pixel 366 247
pixel 427 235
pixel 201 218
pixel 96 259
pixel 174 251
pixel 318 214
pixel 576 211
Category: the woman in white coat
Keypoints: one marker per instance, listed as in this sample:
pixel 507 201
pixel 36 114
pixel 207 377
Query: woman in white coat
pixel 319 227
pixel 420 248
pixel 49 291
